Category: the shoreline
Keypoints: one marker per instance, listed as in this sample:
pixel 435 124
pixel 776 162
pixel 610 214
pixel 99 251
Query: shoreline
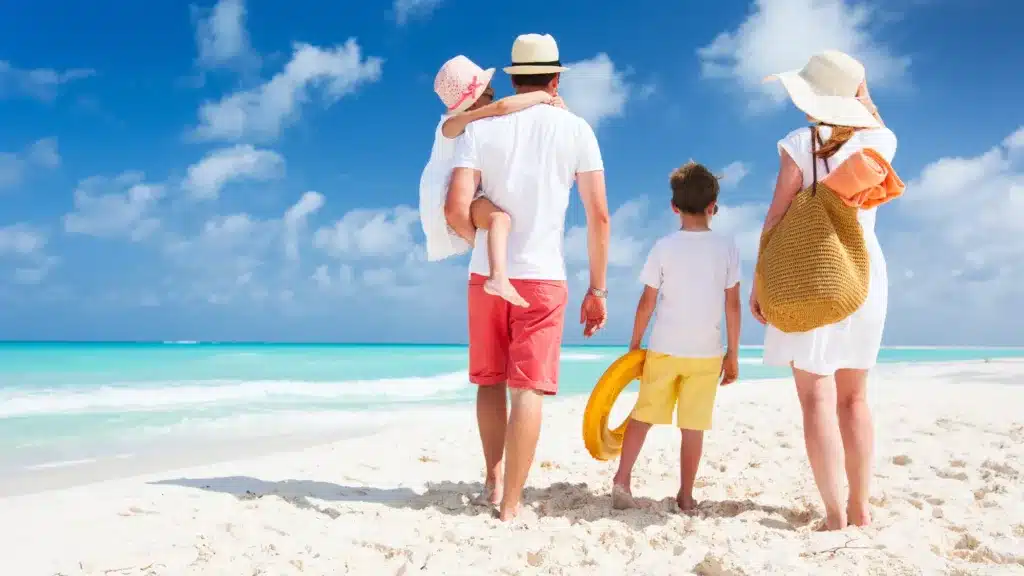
pixel 948 499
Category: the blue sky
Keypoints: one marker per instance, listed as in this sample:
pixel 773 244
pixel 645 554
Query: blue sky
pixel 249 169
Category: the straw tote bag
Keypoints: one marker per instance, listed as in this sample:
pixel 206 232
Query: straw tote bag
pixel 812 267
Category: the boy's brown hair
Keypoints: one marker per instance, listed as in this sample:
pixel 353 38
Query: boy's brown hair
pixel 694 188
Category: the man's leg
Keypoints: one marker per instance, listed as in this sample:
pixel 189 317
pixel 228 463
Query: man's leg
pixel 491 418
pixel 521 446
pixel 533 355
pixel 488 362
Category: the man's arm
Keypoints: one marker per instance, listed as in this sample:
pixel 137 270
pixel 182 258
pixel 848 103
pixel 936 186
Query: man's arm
pixel 464 183
pixel 595 203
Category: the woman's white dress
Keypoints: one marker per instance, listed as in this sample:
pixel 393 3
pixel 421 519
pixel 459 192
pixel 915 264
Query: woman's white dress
pixel 855 341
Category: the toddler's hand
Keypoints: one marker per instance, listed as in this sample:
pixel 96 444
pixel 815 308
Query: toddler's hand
pixel 558 102
pixel 730 367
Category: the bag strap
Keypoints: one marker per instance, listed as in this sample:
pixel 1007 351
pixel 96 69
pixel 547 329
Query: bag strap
pixel 816 141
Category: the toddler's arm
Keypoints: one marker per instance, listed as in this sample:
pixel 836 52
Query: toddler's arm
pixel 456 125
pixel 644 311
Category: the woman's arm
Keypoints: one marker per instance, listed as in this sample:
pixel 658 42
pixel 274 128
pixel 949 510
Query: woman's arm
pixel 787 184
pixel 456 125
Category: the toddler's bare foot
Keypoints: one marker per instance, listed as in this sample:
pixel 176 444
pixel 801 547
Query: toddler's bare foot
pixel 686 502
pixel 622 499
pixel 502 288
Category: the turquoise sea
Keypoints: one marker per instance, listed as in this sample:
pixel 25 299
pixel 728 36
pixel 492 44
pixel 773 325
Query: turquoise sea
pixel 66 404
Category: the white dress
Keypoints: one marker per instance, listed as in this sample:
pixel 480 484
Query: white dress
pixel 441 241
pixel 855 341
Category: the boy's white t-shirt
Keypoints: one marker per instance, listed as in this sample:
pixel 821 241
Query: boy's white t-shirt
pixel 691 271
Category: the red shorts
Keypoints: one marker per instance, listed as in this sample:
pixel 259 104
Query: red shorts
pixel 518 346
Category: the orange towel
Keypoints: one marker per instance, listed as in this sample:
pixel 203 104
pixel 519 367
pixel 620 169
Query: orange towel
pixel 865 180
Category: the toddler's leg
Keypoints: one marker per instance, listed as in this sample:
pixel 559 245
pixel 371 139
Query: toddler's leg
pixel 498 224
pixel 690 450
pixel 632 442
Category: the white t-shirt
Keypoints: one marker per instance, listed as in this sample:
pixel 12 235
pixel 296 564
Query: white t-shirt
pixel 528 162
pixel 691 271
pixel 441 241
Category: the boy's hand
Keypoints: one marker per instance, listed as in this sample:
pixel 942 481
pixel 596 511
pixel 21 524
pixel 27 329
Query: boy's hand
pixel 634 346
pixel 730 367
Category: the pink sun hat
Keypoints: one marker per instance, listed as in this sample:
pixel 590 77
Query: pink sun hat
pixel 460 83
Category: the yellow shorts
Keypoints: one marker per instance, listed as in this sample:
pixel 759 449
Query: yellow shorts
pixel 666 380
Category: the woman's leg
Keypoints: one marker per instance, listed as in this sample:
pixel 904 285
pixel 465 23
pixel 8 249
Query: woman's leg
pixel 858 441
pixel 824 444
pixel 486 215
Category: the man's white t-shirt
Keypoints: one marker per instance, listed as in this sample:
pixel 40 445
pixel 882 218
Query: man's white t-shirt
pixel 691 271
pixel 528 162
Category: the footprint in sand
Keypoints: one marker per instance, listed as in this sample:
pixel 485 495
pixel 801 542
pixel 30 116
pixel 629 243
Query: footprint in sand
pixel 1000 468
pixel 950 474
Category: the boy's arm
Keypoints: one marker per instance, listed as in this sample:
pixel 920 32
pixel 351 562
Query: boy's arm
pixel 644 311
pixel 731 364
pixel 732 317
pixel 456 125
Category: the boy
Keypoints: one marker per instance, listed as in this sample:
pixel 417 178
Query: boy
pixel 465 89
pixel 691 275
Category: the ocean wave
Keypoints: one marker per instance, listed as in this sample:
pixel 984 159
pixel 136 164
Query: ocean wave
pixel 163 396
pixel 582 357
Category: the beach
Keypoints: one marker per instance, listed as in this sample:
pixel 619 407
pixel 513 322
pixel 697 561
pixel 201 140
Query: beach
pixel 948 498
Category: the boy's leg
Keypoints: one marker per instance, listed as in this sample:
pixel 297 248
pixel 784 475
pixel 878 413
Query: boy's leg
pixel 657 398
pixel 697 393
pixel 486 215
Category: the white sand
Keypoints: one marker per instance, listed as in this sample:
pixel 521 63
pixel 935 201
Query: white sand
pixel 949 499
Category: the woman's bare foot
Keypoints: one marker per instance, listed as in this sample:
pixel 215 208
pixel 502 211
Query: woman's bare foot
pixel 858 514
pixel 686 502
pixel 502 288
pixel 622 499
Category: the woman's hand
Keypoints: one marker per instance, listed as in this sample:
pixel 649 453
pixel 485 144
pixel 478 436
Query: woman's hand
pixel 755 308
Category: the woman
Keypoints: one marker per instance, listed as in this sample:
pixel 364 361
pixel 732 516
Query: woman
pixel 830 364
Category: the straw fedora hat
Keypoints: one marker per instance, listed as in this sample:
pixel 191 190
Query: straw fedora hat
pixel 535 54
pixel 459 83
pixel 826 89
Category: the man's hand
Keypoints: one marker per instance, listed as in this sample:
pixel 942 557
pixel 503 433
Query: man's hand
pixel 730 367
pixel 593 314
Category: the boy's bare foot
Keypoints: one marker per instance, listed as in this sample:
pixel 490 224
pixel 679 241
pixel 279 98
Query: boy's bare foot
pixel 686 502
pixel 622 499
pixel 502 288
pixel 858 514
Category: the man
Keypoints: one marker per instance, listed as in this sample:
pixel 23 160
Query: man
pixel 526 163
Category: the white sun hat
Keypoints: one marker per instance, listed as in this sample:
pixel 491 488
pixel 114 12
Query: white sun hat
pixel 535 54
pixel 826 89
pixel 460 82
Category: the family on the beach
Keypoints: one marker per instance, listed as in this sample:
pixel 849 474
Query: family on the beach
pixel 498 183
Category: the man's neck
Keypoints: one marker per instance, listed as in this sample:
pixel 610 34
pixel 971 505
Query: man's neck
pixel 528 89
pixel 694 222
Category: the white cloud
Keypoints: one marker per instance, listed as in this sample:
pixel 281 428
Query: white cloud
pixel 207 177
pixel 25 245
pixel 385 232
pixel 118 207
pixel 261 113
pixel 39 83
pixel 733 174
pixel 295 221
pixel 221 37
pixel 629 226
pixel 594 90
pixel 406 10
pixel 780 35
pixel 42 153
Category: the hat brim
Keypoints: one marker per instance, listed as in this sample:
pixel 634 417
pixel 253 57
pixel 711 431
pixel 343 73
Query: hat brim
pixel 835 110
pixel 533 69
pixel 484 83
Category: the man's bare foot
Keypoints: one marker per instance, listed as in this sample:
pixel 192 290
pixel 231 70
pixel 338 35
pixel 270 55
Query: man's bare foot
pixel 686 502
pixel 622 498
pixel 502 288
pixel 858 514
pixel 831 524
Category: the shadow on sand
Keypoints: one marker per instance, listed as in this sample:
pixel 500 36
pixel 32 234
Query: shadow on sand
pixel 574 502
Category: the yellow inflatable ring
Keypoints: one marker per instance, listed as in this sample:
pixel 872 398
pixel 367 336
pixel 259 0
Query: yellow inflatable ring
pixel 602 442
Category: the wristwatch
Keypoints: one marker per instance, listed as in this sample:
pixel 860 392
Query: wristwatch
pixel 598 292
